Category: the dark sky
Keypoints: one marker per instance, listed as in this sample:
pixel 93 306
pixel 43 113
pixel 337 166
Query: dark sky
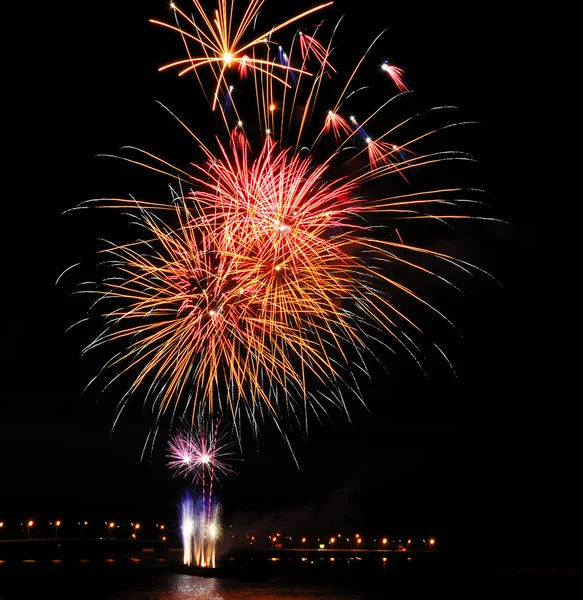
pixel 496 443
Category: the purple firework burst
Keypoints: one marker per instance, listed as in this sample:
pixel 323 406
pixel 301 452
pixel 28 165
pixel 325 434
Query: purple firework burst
pixel 202 451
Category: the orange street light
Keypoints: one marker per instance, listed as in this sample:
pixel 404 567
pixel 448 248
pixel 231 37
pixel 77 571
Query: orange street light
pixel 303 542
pixel 109 528
pixel 359 541
pixel 57 525
pixel 431 543
pixel 385 541
pixel 28 526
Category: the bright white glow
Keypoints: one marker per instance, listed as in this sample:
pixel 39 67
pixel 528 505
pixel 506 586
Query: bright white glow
pixel 187 527
pixel 205 459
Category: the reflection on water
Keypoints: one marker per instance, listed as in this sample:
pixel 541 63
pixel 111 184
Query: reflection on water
pixel 124 579
pixel 185 587
pixel 84 579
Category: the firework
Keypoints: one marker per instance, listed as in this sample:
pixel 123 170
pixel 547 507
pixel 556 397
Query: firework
pixel 200 530
pixel 201 453
pixel 259 288
pixel 187 526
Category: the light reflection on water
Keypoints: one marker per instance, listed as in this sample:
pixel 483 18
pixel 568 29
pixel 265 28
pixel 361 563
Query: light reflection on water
pixel 98 580
pixel 174 586
pixel 111 579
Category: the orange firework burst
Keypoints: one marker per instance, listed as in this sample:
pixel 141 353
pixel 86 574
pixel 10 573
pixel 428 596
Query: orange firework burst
pixel 260 286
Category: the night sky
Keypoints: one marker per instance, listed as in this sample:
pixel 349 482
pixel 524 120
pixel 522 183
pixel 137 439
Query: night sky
pixel 495 445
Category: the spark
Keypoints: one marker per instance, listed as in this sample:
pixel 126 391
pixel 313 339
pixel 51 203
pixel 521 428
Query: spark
pixel 396 76
pixel 336 124
pixel 310 45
